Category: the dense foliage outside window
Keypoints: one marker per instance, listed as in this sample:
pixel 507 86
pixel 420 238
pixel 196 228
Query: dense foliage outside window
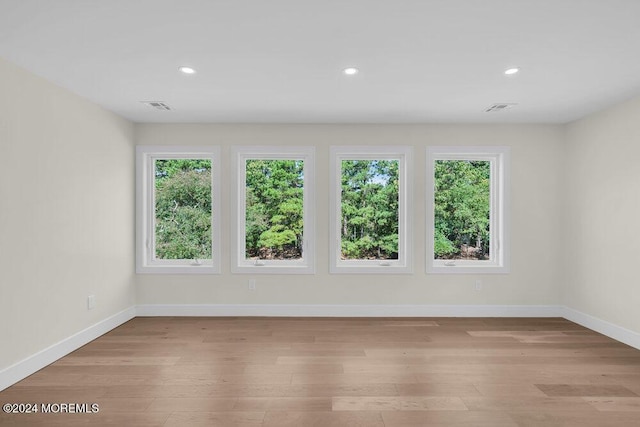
pixel 274 209
pixel 183 209
pixel 462 209
pixel 369 209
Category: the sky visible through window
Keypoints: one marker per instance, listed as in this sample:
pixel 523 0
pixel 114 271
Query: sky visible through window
pixel 369 209
pixel 274 204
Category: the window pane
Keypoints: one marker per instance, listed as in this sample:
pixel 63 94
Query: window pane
pixel 462 209
pixel 369 209
pixel 183 209
pixel 274 209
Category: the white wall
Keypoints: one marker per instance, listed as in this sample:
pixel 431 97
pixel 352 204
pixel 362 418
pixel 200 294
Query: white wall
pixel 67 217
pixel 602 213
pixel 536 195
pixel 66 214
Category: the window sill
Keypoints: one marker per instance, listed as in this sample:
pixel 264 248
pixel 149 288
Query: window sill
pixel 467 268
pixel 178 269
pixel 377 267
pixel 271 268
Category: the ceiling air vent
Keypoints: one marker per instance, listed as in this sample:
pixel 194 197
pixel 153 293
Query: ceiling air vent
pixel 158 105
pixel 499 107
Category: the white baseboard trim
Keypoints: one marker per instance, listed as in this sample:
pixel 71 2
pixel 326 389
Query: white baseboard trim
pixel 326 310
pixel 34 363
pixel 28 366
pixel 616 332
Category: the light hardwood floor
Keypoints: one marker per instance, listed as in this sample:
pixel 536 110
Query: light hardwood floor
pixel 341 372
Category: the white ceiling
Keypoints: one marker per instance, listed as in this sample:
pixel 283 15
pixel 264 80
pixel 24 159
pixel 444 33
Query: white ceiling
pixel 280 61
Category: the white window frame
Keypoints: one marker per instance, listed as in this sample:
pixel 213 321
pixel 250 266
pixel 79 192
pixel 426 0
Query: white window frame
pixel 146 262
pixel 239 263
pixel 403 265
pixel 499 158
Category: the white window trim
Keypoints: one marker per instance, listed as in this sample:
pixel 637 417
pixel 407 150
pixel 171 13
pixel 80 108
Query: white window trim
pixel 403 265
pixel 239 263
pixel 499 214
pixel 146 263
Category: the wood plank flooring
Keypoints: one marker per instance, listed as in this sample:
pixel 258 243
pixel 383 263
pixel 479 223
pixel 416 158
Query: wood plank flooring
pixel 340 372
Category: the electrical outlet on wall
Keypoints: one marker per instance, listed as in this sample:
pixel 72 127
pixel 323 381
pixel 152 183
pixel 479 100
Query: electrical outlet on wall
pixel 91 302
pixel 252 284
pixel 478 285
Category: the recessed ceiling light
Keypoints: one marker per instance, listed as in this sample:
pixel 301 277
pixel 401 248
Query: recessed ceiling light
pixel 187 70
pixel 511 71
pixel 350 71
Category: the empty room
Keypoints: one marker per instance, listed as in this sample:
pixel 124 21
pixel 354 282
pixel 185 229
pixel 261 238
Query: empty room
pixel 319 213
